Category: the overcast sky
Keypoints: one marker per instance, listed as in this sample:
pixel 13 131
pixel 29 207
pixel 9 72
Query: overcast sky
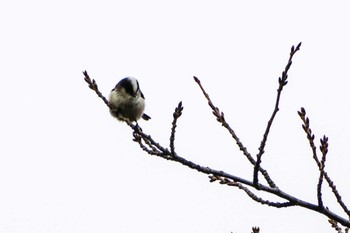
pixel 67 166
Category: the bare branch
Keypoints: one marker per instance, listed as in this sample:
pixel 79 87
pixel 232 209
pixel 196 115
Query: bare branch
pixel 155 147
pixel 290 200
pixel 93 86
pixel 282 82
pixel 337 195
pixel 324 150
pixel 220 118
pixel 152 147
pixel 176 115
pixel 229 182
pixel 311 137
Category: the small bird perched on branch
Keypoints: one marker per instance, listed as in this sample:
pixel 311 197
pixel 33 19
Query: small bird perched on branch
pixel 127 102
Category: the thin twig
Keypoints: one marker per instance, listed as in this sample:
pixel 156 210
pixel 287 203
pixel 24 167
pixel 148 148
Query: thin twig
pixel 149 140
pixel 324 150
pixel 311 137
pixel 93 86
pixel 149 150
pixel 221 118
pixel 336 194
pixel 250 193
pixel 282 82
pixel 176 116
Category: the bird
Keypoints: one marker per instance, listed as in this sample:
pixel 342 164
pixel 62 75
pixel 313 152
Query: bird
pixel 127 102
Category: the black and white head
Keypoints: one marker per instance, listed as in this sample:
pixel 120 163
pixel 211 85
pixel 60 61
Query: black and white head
pixel 126 101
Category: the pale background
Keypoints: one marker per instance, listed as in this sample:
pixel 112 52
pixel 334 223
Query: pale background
pixel 67 166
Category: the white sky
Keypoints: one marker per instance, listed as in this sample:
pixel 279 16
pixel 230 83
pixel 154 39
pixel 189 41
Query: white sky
pixel 67 166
